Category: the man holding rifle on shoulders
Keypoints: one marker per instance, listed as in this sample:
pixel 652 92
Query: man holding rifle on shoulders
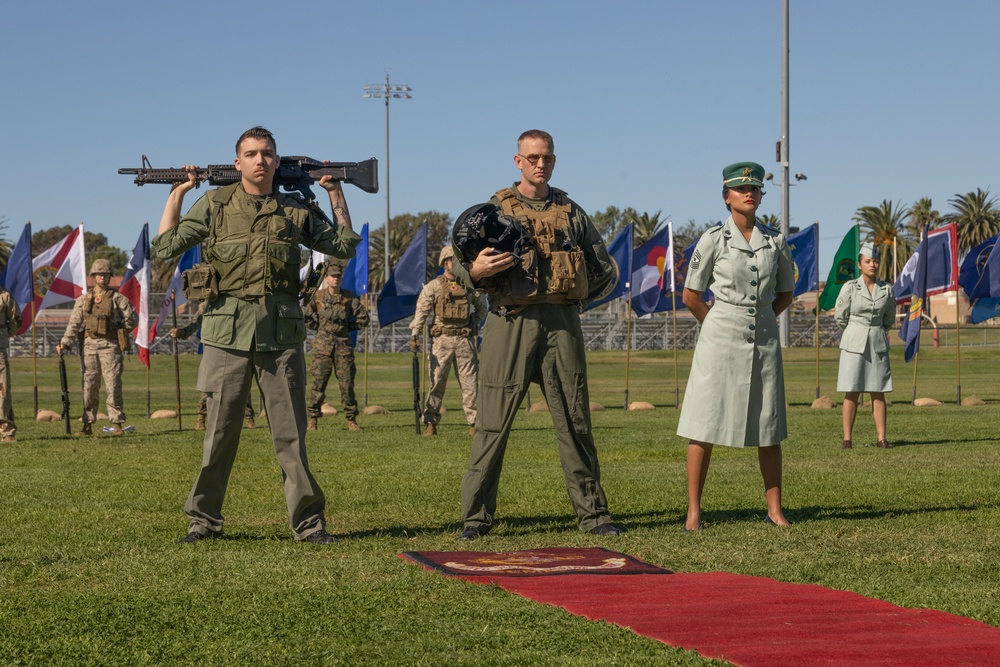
pixel 253 325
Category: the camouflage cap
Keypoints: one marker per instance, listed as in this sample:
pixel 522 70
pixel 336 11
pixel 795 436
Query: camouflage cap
pixel 743 173
pixel 334 270
pixel 100 266
pixel 447 252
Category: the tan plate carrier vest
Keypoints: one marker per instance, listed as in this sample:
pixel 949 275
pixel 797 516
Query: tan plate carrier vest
pixel 100 317
pixel 451 310
pixel 552 268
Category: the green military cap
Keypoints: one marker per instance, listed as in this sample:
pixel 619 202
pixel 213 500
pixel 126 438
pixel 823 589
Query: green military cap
pixel 743 173
pixel 334 270
pixel 868 250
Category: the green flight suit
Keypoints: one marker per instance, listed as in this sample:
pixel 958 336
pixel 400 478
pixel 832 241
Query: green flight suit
pixel 543 343
pixel 255 329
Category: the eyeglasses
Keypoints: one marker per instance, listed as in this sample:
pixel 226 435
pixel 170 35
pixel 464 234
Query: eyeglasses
pixel 547 158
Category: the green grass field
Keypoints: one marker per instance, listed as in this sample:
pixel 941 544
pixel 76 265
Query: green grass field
pixel 90 573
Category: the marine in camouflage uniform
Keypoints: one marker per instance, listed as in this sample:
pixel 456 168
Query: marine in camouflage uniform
pixel 9 325
pixel 186 332
pixel 334 313
pixel 533 334
pixel 104 316
pixel 455 316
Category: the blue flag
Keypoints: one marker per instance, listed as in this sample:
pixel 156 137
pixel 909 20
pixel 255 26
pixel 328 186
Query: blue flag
pixel 909 333
pixel 355 277
pixel 619 250
pixel 804 246
pixel 941 266
pixel 16 277
pixel 398 299
pixel 980 278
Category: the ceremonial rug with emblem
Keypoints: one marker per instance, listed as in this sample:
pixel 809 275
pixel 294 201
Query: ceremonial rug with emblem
pixel 750 621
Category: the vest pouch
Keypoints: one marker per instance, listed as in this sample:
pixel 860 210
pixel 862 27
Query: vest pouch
pixel 283 269
pixel 569 274
pixel 454 309
pixel 124 342
pixel 100 326
pixel 200 283
pixel 523 278
pixel 218 325
pixel 290 327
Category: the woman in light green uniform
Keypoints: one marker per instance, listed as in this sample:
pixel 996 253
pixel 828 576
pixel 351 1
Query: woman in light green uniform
pixel 736 390
pixel 866 309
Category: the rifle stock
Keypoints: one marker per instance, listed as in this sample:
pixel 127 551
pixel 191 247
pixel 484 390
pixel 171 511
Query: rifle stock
pixel 295 173
pixel 416 392
pixel 177 362
pixel 64 387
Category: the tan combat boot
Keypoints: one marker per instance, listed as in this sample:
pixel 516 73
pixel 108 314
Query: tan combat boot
pixel 311 425
pixel 199 425
pixel 353 425
pixel 472 430
pixel 431 430
pixel 117 429
pixel 87 429
pixel 249 423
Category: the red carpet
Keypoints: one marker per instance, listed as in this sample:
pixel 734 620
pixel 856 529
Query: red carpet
pixel 751 621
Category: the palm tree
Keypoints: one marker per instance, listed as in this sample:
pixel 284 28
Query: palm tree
pixel 887 229
pixel 6 247
pixel 923 217
pixel 769 219
pixel 976 217
pixel 646 226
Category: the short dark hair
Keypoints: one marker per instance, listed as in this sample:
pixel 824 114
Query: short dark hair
pixel 537 134
pixel 256 132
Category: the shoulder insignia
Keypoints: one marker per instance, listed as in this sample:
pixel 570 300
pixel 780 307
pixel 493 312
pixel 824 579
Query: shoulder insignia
pixel 695 259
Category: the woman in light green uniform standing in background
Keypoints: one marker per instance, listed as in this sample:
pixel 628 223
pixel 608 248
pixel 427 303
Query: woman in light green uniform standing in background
pixel 866 309
pixel 736 390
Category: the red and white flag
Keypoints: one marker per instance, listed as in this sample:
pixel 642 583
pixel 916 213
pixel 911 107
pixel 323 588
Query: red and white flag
pixel 60 275
pixel 135 287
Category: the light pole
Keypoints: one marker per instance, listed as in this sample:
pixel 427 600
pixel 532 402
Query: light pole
pixel 784 320
pixel 387 91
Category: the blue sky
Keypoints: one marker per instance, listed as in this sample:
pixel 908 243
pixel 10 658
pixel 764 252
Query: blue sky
pixel 647 101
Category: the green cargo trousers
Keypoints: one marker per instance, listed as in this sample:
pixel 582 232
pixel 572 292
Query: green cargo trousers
pixel 543 343
pixel 225 375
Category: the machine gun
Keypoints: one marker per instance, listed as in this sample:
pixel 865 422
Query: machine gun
pixel 295 173
pixel 64 387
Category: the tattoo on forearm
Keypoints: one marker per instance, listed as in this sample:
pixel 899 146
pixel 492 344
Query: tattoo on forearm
pixel 341 214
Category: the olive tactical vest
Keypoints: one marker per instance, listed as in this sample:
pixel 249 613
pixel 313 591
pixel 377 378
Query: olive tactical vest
pixel 552 268
pixel 99 316
pixel 255 252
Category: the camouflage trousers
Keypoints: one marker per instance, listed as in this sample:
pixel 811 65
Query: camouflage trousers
pixel 102 357
pixel 446 351
pixel 341 361
pixel 7 427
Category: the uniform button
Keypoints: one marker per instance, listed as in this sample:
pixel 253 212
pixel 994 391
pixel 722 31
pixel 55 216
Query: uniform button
pixel 752 255
pixel 751 327
pixel 754 269
pixel 753 297
pixel 750 340
pixel 752 311
pixel 753 283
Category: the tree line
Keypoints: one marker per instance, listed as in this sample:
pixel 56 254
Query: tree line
pixel 894 228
